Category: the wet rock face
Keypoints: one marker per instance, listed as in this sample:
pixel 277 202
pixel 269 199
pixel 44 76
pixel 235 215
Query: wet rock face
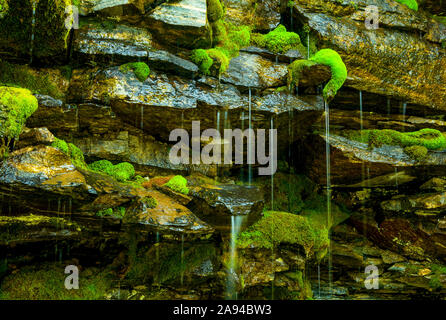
pixel 183 23
pixel 35 136
pixel 415 76
pixel 33 172
pixel 228 200
pixel 263 15
pixel 167 215
pixel 349 158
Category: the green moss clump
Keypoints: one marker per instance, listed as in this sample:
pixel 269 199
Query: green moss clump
pixel 101 165
pixel 150 202
pixel 76 155
pixel 13 75
pixel 122 172
pixel 332 59
pixel 278 41
pixel 202 60
pixel 140 69
pixel 118 212
pixel 3 8
pixel 178 184
pixel 227 40
pixel 295 71
pixel 215 10
pixel 16 105
pixel 276 228
pixel 46 282
pixel 431 139
pixel 412 4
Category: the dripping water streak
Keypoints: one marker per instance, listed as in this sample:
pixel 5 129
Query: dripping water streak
pixel 328 177
pixel 249 140
pixel 231 284
pixel 33 25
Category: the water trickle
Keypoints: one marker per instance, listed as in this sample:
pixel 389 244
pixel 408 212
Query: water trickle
pixel 277 59
pixel 33 25
pixel 142 117
pixel 249 138
pixel 231 281
pixel 396 178
pixel 157 246
pixel 328 177
pixel 404 111
pixel 243 129
pixel 182 260
pixel 182 119
pixel 291 18
pixel 360 110
pixel 272 146
pixel 218 121
pixel 388 106
pixel 308 45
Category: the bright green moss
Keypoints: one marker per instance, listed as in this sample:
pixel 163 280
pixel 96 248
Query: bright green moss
pixel 219 55
pixel 61 145
pixel 178 184
pixel 278 41
pixel 46 282
pixel 412 4
pixel 140 69
pixel 122 172
pixel 332 59
pixel 101 165
pixel 276 228
pixel 215 10
pixel 76 155
pixel 219 34
pixel 22 76
pixel 150 202
pixel 202 60
pixel 431 139
pixel 16 105
pixel 3 7
pixel 295 71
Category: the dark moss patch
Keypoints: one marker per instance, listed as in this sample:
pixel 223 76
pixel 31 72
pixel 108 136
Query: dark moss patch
pixel 46 282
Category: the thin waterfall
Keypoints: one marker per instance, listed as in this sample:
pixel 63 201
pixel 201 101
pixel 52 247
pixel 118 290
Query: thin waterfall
pixel 404 111
pixel 243 129
pixel 249 139
pixel 182 260
pixel 231 281
pixel 328 177
pixel 360 110
pixel 308 45
pixel 388 106
pixel 142 117
pixel 182 119
pixel 33 25
pixel 272 146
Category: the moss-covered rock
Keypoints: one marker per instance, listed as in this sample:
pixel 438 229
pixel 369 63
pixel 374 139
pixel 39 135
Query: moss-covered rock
pixel 282 228
pixel 178 184
pixel 332 59
pixel 140 69
pixel 16 105
pixel 431 139
pixel 122 172
pixel 412 4
pixel 278 41
pixel 46 282
pixel 76 155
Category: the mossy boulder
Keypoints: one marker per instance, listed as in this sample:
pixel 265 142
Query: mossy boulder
pixel 122 172
pixel 332 59
pixel 178 184
pixel 16 105
pixel 140 69
pixel 278 40
pixel 282 228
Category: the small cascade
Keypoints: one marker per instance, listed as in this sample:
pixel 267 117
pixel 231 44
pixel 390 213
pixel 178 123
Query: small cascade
pixel 249 138
pixel 328 177
pixel 231 281
pixel 33 26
